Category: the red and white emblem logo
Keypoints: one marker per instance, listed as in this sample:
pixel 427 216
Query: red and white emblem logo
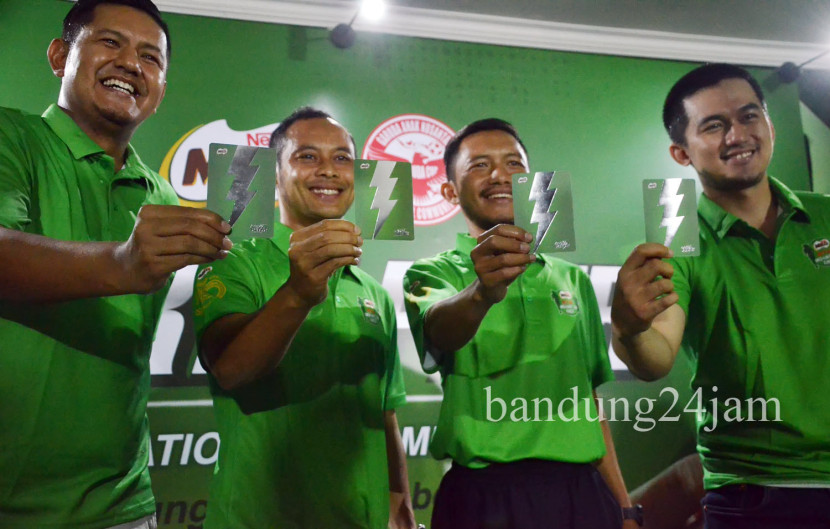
pixel 419 140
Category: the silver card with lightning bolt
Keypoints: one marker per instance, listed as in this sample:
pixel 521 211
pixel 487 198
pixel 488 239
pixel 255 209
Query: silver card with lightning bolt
pixel 383 200
pixel 671 215
pixel 241 185
pixel 543 205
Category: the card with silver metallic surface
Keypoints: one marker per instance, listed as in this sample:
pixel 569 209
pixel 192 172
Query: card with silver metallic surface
pixel 670 207
pixel 383 200
pixel 543 205
pixel 241 186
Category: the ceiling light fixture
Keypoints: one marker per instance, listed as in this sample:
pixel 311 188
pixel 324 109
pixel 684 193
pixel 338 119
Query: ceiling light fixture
pixel 789 71
pixel 343 35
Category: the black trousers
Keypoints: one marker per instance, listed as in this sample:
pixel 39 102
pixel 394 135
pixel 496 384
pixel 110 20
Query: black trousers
pixel 757 507
pixel 527 494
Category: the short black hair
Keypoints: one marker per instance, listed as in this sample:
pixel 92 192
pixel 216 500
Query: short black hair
pixel 301 114
pixel 83 12
pixel 675 119
pixel 482 125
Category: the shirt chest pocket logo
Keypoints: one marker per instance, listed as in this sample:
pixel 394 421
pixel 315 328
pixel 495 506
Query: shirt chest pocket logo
pixel 818 252
pixel 369 309
pixel 566 302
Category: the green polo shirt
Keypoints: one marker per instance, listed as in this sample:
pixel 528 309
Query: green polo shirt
pixel 543 345
pixel 758 320
pixel 304 446
pixel 74 376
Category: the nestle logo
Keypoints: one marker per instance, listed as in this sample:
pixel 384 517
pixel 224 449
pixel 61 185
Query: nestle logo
pixel 687 248
pixel 259 139
pixel 561 245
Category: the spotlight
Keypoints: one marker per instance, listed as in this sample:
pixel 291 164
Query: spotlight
pixel 789 71
pixel 343 35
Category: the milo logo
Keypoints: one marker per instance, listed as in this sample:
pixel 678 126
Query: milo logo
pixel 818 252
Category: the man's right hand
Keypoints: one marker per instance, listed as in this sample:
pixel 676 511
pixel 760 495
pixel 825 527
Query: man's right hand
pixel 167 238
pixel 316 252
pixel 502 254
pixel 640 296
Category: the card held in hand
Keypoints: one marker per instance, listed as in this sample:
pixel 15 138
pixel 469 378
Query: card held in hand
pixel 670 207
pixel 383 200
pixel 241 187
pixel 543 206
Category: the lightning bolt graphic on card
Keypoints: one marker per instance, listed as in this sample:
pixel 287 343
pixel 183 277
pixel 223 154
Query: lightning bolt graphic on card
pixel 378 215
pixel 670 209
pixel 384 184
pixel 542 195
pixel 243 175
pixel 670 199
pixel 241 188
pixel 543 205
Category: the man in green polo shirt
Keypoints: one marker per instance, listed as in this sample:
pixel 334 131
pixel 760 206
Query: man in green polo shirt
pixel 752 308
pixel 301 347
pixel 519 343
pixel 88 243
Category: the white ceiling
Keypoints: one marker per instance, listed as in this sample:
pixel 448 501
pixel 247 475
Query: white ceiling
pixel 750 32
pixel 806 21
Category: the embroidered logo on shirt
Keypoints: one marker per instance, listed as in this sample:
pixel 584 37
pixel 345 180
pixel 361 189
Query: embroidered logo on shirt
pixel 818 252
pixel 369 312
pixel 566 302
pixel 206 291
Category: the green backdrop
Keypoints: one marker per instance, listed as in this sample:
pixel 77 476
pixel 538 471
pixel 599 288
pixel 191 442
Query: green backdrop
pixel 597 117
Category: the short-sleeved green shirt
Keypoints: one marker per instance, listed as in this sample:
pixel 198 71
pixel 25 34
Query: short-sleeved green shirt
pixel 758 320
pixel 304 446
pixel 74 376
pixel 543 341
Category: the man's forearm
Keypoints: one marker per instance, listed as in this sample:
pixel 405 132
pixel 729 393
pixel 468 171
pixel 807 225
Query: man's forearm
pixel 241 348
pixel 451 323
pixel 648 354
pixel 398 477
pixel 37 269
pixel 609 468
pixel 401 514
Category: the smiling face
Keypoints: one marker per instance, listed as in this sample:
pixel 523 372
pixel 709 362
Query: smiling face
pixel 316 173
pixel 114 73
pixel 729 138
pixel 482 185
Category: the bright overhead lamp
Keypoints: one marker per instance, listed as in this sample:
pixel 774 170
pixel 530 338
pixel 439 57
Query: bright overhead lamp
pixel 343 35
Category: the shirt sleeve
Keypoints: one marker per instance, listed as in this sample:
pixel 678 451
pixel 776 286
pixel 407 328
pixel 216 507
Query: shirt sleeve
pixel 15 178
pixel 599 364
pixel 424 284
pixel 681 280
pixel 395 390
pixel 224 287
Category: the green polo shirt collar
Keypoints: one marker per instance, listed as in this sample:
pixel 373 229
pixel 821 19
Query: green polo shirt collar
pixel 282 238
pixel 464 243
pixel 722 222
pixel 81 145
